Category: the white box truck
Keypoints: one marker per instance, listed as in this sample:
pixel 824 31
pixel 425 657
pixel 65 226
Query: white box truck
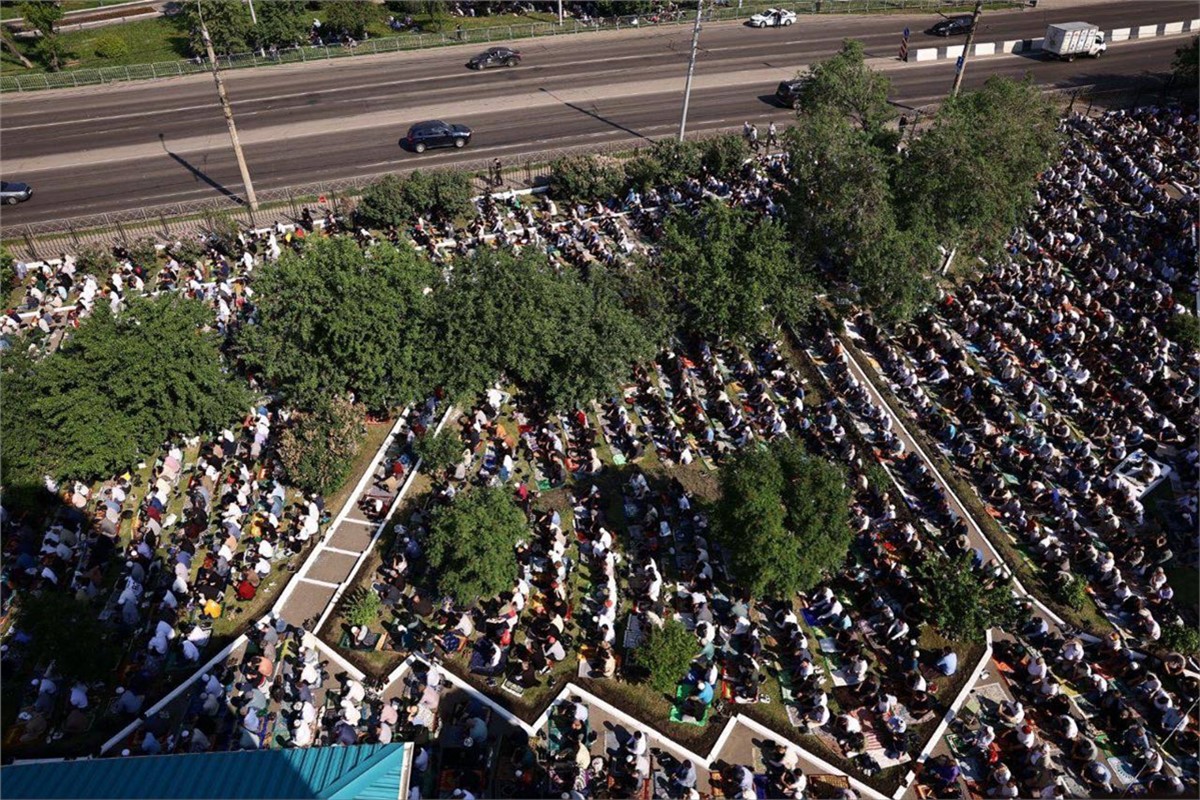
pixel 1069 39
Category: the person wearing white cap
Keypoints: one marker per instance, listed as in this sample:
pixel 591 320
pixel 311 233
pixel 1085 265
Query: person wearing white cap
pixel 301 733
pixel 351 712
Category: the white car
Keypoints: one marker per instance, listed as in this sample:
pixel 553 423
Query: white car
pixel 772 18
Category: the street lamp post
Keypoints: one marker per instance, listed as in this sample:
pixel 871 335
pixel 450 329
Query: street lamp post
pixel 251 199
pixel 687 87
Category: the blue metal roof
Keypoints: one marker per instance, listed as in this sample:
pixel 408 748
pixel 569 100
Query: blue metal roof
pixel 318 773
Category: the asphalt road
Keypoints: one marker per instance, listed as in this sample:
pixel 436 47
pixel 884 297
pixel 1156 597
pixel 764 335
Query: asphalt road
pixel 123 146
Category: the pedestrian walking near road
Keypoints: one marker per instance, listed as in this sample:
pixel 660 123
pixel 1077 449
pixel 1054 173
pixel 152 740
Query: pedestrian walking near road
pixel 754 138
pixel 772 136
pixel 497 174
pixel 458 32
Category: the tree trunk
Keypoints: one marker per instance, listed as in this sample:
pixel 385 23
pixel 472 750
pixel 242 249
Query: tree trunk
pixel 7 41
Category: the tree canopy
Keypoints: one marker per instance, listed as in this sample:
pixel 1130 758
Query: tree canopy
pixel 586 178
pixel 349 17
pixel 471 543
pixel 970 177
pixel 504 312
pixel 335 319
pixel 961 603
pixel 438 451
pixel 783 514
pixel 1185 68
pixel 394 201
pixel 118 388
pixel 42 17
pixel 732 269
pixel 317 447
pixel 666 654
pixel 845 86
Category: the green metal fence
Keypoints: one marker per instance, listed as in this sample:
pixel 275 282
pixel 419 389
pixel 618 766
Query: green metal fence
pixel 417 41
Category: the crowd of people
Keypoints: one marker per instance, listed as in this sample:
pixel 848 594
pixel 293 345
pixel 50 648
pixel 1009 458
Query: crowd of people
pixel 1052 382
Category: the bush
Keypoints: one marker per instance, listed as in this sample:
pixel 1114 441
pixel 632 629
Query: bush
pixel 1072 592
pixel 95 260
pixel 438 452
pixel 581 179
pixel 363 607
pixel 470 545
pixel 144 252
pixel 666 162
pixel 112 46
pixel 392 201
pixel 318 448
pixel 8 275
pixel 666 654
pixel 1179 637
pixel 724 155
pixel 1184 330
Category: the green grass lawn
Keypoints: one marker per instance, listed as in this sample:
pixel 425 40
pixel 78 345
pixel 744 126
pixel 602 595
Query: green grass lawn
pixel 148 41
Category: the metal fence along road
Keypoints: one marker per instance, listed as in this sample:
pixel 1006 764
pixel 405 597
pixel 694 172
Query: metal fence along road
pixel 417 41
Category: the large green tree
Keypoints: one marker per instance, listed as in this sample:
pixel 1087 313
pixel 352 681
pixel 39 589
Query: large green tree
pixel 281 23
pixel 228 26
pixel 971 175
pixel 42 17
pixel 1185 69
pixel 847 87
pixel 586 178
pixel 666 654
pixel 118 388
pixel 349 17
pixel 394 201
pixel 893 270
pixel 783 514
pixel 336 319
pixel 470 546
pixel 839 195
pixel 732 269
pixel 961 602
pixel 317 448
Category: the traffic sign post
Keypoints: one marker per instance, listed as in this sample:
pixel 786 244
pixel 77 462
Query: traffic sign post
pixel 958 65
pixel 904 46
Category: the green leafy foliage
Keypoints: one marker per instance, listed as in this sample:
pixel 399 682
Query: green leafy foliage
pixel 111 46
pixel 281 23
pixel 336 319
pixel 667 161
pixel 839 199
pixel 69 633
pixel 228 26
pixel 438 451
pixel 970 177
pixel 893 270
pixel 724 155
pixel 42 17
pixel 8 275
pixel 508 313
pixel 115 391
pixel 845 86
pixel 349 17
pixel 1179 637
pixel 393 201
pixel 732 269
pixel 471 545
pixel 783 514
pixel 1072 592
pixel 95 260
pixel 1183 329
pixel 585 178
pixel 363 607
pixel 961 603
pixel 1186 65
pixel 666 654
pixel 318 447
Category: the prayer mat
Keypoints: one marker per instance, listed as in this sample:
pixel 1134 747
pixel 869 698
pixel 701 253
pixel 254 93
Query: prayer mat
pixel 682 691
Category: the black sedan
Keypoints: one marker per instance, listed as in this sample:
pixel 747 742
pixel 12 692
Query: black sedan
pixel 13 193
pixel 951 26
pixel 435 133
pixel 495 57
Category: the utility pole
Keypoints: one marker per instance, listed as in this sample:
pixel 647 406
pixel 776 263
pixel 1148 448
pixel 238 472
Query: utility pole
pixel 687 87
pixel 560 14
pixel 958 75
pixel 228 109
pixel 253 18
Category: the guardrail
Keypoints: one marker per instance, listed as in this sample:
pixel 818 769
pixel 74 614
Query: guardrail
pixel 418 41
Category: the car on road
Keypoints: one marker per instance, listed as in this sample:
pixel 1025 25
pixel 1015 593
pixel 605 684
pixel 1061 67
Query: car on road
pixel 13 193
pixel 772 18
pixel 788 92
pixel 951 26
pixel 435 133
pixel 495 57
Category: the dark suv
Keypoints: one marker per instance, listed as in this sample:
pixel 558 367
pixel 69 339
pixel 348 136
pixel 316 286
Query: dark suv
pixel 495 57
pixel 435 133
pixel 788 92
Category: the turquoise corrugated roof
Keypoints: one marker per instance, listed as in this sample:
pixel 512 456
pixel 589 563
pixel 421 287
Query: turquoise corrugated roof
pixel 317 773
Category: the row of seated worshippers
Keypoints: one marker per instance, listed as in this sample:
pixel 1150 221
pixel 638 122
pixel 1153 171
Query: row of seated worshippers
pixel 1080 371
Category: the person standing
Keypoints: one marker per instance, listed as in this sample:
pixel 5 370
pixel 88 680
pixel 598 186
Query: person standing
pixel 754 138
pixel 772 136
